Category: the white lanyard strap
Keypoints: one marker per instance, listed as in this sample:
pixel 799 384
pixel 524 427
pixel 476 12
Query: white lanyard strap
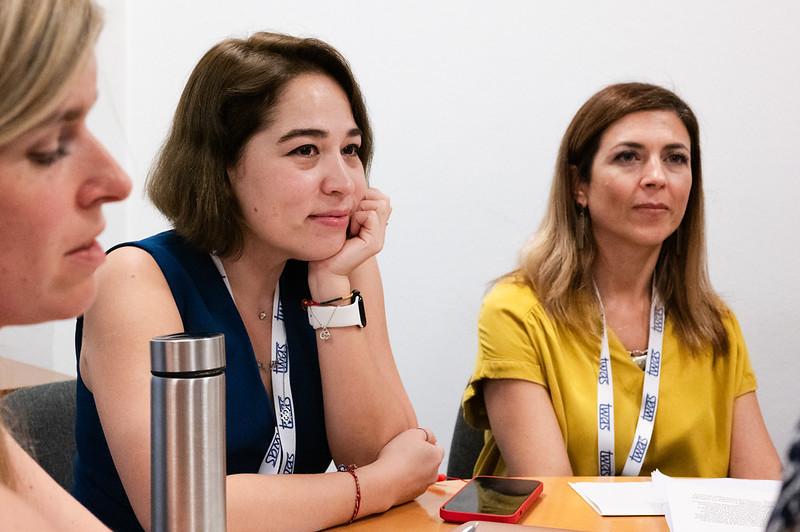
pixel 647 412
pixel 280 457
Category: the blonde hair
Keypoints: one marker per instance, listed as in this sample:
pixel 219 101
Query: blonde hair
pixel 43 44
pixel 559 270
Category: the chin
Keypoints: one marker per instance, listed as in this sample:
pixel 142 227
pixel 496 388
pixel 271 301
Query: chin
pixel 72 303
pixel 321 251
pixel 650 238
pixel 48 304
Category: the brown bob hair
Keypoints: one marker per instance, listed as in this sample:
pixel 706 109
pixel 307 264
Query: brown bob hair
pixel 560 271
pixel 230 96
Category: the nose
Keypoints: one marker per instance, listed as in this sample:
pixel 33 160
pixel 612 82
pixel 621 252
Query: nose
pixel 654 175
pixel 340 177
pixel 104 180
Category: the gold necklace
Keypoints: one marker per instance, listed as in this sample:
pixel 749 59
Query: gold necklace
pixel 263 366
pixel 639 356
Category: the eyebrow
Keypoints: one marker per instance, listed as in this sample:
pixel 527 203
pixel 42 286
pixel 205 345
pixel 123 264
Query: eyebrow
pixel 673 146
pixel 64 117
pixel 60 117
pixel 317 133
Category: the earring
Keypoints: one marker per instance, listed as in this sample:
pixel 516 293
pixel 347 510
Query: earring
pixel 580 231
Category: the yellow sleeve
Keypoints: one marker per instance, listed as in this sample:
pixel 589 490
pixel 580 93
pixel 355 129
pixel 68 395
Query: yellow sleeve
pixel 745 377
pixel 505 349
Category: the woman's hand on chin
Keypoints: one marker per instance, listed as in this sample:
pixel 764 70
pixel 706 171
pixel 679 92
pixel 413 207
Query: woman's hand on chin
pixel 330 277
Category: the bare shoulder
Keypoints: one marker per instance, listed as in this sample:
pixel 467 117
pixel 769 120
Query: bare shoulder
pixel 18 514
pixel 133 274
pixel 129 262
pixel 36 501
pixel 134 303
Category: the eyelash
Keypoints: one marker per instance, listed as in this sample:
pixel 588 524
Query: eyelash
pixel 355 150
pixel 624 156
pixel 678 158
pixel 49 158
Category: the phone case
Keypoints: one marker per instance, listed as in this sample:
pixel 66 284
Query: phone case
pixel 454 516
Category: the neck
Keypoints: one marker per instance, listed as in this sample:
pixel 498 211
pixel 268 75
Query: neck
pixel 625 272
pixel 253 277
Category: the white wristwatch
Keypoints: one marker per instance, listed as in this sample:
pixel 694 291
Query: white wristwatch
pixel 326 316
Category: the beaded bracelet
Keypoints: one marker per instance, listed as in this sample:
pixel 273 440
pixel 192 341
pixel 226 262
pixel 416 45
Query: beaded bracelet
pixel 357 505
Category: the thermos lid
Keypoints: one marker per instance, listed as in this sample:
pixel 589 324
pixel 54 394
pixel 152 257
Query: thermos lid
pixel 187 353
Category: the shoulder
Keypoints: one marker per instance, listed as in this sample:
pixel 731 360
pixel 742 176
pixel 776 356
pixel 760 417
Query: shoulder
pixel 132 267
pixel 19 514
pixel 514 297
pixel 129 262
pixel 729 321
pixel 164 246
pixel 166 255
pixel 733 329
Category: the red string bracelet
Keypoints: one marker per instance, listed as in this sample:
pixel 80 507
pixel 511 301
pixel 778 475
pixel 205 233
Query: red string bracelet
pixel 305 303
pixel 357 505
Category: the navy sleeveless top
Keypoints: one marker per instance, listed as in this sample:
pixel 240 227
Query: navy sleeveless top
pixel 205 305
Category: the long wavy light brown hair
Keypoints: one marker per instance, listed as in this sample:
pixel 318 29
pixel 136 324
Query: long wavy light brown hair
pixel 560 271
pixel 43 45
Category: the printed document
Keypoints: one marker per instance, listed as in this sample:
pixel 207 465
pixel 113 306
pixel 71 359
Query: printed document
pixel 689 504
pixel 717 504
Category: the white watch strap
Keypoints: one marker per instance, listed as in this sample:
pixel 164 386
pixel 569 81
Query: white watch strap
pixel 321 317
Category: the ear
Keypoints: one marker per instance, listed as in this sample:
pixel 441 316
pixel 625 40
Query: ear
pixel 231 170
pixel 578 187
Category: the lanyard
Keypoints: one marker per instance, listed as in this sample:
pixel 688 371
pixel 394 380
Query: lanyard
pixel 605 396
pixel 280 457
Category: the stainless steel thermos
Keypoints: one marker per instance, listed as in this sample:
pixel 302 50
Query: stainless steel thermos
pixel 187 409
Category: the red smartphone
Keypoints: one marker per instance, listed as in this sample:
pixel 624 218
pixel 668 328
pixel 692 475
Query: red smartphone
pixel 498 499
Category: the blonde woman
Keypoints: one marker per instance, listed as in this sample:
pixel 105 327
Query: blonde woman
pixel 54 179
pixel 608 352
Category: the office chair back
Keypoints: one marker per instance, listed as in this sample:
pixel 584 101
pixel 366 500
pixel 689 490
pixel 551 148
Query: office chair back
pixel 464 449
pixel 42 419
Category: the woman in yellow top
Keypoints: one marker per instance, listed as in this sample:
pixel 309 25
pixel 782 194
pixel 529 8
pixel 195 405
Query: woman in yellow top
pixel 607 351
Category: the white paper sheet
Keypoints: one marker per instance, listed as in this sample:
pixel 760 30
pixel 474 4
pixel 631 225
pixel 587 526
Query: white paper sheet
pixel 621 498
pixel 689 504
pixel 718 504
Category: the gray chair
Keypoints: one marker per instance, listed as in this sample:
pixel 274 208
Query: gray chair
pixel 42 420
pixel 464 449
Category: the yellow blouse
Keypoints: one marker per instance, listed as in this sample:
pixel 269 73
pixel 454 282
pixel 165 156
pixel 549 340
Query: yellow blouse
pixel 692 433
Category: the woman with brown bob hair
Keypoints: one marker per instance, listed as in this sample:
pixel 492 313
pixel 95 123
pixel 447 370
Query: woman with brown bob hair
pixel 274 243
pixel 607 351
pixel 54 179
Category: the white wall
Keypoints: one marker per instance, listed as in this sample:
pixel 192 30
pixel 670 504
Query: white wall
pixel 469 101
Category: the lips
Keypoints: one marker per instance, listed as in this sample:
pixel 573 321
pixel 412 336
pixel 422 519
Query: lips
pixel 89 254
pixel 651 206
pixel 337 218
pixel 83 247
